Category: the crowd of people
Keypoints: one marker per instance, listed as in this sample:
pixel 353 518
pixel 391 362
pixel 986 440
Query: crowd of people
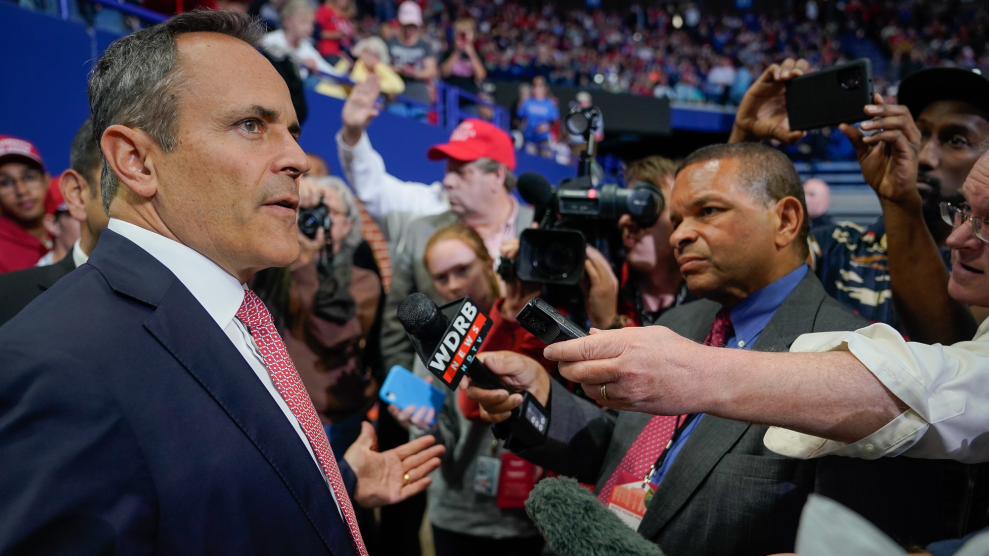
pixel 196 319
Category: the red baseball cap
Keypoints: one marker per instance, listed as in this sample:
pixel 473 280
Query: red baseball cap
pixel 12 147
pixel 475 139
pixel 54 202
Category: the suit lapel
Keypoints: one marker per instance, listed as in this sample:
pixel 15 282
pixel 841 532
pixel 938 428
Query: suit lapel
pixel 714 437
pixel 185 329
pixel 711 440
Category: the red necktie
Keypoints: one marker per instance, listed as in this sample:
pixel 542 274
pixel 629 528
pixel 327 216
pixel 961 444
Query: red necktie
pixel 659 430
pixel 255 315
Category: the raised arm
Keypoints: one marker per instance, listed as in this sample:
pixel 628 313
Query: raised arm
pixel 365 170
pixel 918 276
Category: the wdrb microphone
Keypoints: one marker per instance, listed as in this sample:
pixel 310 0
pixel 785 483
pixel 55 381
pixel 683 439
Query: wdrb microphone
pixel 575 523
pixel 447 339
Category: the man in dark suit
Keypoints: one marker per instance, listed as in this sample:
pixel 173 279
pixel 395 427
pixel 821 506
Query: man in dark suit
pixel 699 484
pixel 149 405
pixel 80 186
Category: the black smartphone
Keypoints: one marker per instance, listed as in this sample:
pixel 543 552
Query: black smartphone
pixel 547 324
pixel 830 97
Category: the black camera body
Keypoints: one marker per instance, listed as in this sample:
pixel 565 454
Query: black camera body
pixel 578 215
pixel 312 219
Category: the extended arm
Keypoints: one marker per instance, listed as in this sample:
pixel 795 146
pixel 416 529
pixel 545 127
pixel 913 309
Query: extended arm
pixel 364 168
pixel 873 390
pixel 918 277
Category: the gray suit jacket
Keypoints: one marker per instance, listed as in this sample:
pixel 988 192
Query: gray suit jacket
pixel 409 275
pixel 726 493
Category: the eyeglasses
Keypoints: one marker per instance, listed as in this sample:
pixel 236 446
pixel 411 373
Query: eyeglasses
pixel 30 178
pixel 956 216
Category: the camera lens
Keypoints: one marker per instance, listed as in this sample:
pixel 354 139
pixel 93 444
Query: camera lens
pixel 850 78
pixel 577 123
pixel 555 259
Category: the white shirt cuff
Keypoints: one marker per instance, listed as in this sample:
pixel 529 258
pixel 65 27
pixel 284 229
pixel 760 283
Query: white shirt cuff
pixel 893 439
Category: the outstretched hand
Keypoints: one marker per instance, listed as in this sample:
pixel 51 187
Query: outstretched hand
pixel 360 109
pixel 381 475
pixel 762 112
pixel 889 156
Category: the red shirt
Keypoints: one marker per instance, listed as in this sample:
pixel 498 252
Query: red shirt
pixel 332 20
pixel 18 249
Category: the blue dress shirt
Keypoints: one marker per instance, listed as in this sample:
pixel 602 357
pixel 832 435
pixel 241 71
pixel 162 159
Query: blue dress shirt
pixel 748 318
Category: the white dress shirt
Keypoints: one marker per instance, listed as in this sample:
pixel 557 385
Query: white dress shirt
pixel 221 295
pixel 277 45
pixel 945 387
pixel 393 203
pixel 78 256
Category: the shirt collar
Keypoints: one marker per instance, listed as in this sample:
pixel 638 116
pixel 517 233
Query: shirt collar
pixel 214 288
pixel 749 317
pixel 78 256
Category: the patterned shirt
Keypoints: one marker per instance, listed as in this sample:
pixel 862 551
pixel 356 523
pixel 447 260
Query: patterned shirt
pixel 853 265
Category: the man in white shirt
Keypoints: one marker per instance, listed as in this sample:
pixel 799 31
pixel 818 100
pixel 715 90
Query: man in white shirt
pixel 149 405
pixel 476 190
pixel 867 393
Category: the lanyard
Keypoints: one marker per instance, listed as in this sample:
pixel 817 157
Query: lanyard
pixel 683 422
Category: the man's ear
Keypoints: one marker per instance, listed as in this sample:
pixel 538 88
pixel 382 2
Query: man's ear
pixel 128 151
pixel 75 190
pixel 791 216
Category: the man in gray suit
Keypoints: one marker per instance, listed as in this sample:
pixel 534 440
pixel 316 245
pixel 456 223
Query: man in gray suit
pixel 699 484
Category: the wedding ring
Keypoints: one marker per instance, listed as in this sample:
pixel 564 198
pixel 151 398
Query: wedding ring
pixel 604 392
pixel 408 480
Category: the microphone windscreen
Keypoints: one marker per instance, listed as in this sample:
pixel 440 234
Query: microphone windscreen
pixel 575 523
pixel 535 189
pixel 417 313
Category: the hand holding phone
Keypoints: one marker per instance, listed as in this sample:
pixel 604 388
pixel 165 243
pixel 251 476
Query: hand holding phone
pixel 403 389
pixel 837 95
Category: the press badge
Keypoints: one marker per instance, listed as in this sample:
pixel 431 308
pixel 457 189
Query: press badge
pixel 628 500
pixel 486 474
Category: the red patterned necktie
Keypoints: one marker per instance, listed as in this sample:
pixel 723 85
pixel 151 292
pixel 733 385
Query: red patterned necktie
pixel 255 315
pixel 659 430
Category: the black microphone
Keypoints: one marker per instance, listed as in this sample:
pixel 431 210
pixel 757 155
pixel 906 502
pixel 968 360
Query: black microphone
pixel 575 523
pixel 538 192
pixel 447 339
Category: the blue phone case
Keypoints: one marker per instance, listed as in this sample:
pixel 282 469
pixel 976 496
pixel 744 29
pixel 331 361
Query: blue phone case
pixel 403 388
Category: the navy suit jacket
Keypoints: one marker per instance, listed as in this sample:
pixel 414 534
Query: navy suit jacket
pixel 130 424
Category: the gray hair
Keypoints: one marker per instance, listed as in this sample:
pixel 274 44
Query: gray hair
pixel 354 238
pixel 136 81
pixel 376 45
pixel 85 154
pixel 489 166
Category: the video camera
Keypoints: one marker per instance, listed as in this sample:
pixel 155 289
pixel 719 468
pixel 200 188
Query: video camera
pixel 575 214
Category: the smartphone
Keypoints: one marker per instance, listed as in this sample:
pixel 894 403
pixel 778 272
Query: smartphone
pixel 546 323
pixel 403 388
pixel 837 95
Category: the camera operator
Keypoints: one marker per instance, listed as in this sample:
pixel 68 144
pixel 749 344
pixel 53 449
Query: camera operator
pixel 895 270
pixel 740 240
pixel 326 307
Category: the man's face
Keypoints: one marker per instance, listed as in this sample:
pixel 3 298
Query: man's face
pixel 950 135
pixel 969 281
pixel 648 249
pixel 539 91
pixel 817 196
pixel 22 192
pixel 470 189
pixel 724 238
pixel 230 188
pixel 410 32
